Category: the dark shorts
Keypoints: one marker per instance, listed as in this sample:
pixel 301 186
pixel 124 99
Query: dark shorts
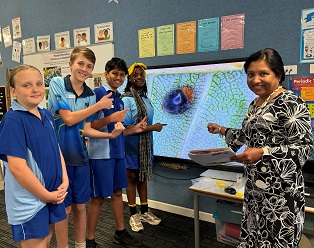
pixel 79 185
pixel 38 226
pixel 107 175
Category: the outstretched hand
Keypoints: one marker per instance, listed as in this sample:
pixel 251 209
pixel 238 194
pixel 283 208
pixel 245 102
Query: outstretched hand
pixel 119 116
pixel 212 128
pixel 158 126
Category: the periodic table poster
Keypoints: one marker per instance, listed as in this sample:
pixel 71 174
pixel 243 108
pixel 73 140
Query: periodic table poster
pixel 304 87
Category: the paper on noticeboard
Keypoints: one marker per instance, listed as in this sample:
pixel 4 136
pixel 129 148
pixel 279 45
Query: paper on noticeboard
pixel 208 157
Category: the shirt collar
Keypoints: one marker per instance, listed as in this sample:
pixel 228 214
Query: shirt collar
pixel 108 89
pixel 16 106
pixel 68 86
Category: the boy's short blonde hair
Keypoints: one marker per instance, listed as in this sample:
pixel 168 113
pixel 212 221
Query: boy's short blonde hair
pixel 86 52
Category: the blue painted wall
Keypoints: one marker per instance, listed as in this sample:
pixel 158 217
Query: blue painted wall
pixel 268 23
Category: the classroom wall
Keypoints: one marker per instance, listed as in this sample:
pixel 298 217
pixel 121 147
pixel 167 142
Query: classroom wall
pixel 268 23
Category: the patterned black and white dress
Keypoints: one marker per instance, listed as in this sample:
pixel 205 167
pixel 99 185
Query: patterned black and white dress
pixel 273 210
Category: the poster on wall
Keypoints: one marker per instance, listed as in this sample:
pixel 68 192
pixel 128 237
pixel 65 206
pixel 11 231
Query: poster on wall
pixel 16 51
pixel 81 36
pixel 232 32
pixel 16 28
pixel 146 42
pixel 62 40
pixel 28 46
pixel 307 36
pixel 304 87
pixel 208 35
pixel 56 64
pixel 7 39
pixel 103 32
pixel 43 43
pixel 165 40
pixel 186 37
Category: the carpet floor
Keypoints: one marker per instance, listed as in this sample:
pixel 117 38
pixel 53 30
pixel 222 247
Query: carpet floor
pixel 174 231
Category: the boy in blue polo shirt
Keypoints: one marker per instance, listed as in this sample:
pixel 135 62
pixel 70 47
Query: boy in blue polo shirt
pixel 36 181
pixel 72 103
pixel 108 171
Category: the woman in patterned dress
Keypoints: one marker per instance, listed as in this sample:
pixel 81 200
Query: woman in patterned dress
pixel 278 138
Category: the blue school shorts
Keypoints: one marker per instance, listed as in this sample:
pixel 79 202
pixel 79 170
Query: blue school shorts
pixel 79 185
pixel 38 226
pixel 107 175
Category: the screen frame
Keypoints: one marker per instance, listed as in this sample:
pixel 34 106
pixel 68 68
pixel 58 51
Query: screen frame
pixel 187 162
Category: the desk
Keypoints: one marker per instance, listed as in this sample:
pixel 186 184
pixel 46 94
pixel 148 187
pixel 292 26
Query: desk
pixel 213 192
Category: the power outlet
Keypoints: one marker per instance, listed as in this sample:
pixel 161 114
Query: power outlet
pixel 291 69
pixel 311 68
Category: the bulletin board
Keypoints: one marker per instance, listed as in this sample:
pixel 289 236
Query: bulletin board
pixel 104 52
pixel 56 63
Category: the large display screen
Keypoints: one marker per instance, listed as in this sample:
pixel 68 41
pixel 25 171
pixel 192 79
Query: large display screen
pixel 187 98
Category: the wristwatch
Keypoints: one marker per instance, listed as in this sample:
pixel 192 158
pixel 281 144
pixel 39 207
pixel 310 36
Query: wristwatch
pixel 266 154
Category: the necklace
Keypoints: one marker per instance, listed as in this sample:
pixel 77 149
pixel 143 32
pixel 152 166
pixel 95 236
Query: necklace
pixel 267 99
pixel 259 109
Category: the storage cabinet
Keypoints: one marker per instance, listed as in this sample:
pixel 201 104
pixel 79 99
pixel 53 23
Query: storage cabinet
pixel 228 222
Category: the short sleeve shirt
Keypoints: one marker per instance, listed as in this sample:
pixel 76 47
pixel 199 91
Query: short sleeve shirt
pixel 62 96
pixel 24 135
pixel 132 141
pixel 107 148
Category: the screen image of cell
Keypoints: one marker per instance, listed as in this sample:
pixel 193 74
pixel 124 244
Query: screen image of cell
pixel 187 98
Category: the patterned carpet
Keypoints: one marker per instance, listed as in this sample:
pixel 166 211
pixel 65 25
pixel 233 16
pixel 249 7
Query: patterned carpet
pixel 174 231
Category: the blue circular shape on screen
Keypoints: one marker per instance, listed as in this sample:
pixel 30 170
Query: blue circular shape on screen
pixel 177 101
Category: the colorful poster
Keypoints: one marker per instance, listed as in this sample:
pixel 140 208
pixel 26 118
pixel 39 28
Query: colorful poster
pixel 232 32
pixel 16 28
pixel 146 42
pixel 6 33
pixel 304 87
pixel 186 37
pixel 28 46
pixel 62 40
pixel 103 32
pixel 165 40
pixel 56 64
pixel 307 36
pixel 16 51
pixel 311 110
pixel 43 43
pixel 81 36
pixel 208 35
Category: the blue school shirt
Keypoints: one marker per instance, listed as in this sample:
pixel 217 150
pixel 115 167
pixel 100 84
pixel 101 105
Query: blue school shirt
pixel 72 142
pixel 107 148
pixel 132 141
pixel 24 135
